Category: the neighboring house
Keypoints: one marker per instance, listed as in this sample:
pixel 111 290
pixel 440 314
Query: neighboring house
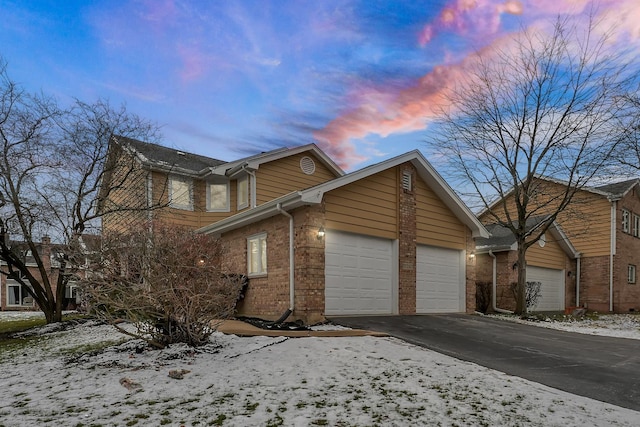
pixel 603 224
pixel 552 261
pixel 14 296
pixel 195 190
pixel 392 238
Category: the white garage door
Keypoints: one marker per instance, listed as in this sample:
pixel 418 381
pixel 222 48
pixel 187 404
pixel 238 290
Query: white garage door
pixel 440 280
pixel 359 276
pixel 552 289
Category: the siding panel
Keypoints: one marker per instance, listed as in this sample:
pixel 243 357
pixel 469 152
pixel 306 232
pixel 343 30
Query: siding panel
pixel 436 224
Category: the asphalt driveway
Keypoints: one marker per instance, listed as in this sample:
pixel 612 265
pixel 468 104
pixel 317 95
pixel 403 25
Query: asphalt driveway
pixel 602 368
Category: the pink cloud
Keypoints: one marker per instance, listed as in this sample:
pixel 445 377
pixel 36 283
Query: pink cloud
pixel 463 16
pixel 386 112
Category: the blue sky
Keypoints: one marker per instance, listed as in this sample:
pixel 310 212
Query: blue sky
pixel 363 79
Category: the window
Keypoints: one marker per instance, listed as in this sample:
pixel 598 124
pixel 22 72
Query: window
pixel 243 192
pixel 625 221
pixel 218 197
pixel 636 226
pixel 632 274
pixel 257 255
pixel 18 294
pixel 180 193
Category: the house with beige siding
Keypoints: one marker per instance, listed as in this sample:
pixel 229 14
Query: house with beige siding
pixel 602 223
pixel 392 238
pixel 552 261
pixel 193 190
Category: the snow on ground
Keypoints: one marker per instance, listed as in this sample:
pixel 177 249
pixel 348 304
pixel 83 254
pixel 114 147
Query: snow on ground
pixel 63 378
pixel 612 325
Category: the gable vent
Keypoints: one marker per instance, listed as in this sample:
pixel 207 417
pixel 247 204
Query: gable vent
pixel 307 165
pixel 406 181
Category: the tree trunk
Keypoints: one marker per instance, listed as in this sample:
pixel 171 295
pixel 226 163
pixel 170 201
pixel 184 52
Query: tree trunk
pixel 521 288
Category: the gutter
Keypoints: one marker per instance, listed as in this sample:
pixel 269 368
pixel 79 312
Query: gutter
pixel 612 252
pixel 291 265
pixel 494 285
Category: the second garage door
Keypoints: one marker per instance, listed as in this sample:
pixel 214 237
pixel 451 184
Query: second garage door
pixel 359 274
pixel 552 289
pixel 440 280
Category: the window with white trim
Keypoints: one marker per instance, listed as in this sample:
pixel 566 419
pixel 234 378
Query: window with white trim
pixel 217 197
pixel 257 255
pixel 631 274
pixel 243 192
pixel 180 193
pixel 626 221
pixel 636 225
pixel 18 294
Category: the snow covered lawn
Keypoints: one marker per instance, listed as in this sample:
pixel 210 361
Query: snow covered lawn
pixel 65 378
pixel 611 325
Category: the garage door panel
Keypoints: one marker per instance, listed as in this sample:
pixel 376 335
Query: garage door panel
pixel 551 290
pixel 440 280
pixel 358 274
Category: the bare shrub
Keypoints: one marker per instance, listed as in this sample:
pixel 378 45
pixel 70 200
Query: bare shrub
pixel 483 296
pixel 532 293
pixel 167 280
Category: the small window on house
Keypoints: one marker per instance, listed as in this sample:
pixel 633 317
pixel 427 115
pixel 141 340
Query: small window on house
pixel 636 225
pixel 218 197
pixel 406 181
pixel 632 274
pixel 243 192
pixel 180 193
pixel 625 221
pixel 257 255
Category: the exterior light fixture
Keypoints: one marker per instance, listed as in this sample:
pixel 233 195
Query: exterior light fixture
pixel 321 233
pixel 472 255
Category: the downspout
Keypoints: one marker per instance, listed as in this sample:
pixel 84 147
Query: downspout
pixel 494 285
pixel 612 252
pixel 578 281
pixel 291 266
pixel 252 186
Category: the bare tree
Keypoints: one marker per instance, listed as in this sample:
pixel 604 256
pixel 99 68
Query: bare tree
pixel 167 280
pixel 548 104
pixel 52 165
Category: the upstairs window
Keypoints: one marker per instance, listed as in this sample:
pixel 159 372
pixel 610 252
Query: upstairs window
pixel 636 226
pixel 626 226
pixel 257 255
pixel 180 193
pixel 243 192
pixel 218 197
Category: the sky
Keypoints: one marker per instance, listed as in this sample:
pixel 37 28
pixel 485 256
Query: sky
pixel 364 80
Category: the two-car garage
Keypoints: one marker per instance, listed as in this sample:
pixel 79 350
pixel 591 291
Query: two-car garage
pixel 361 276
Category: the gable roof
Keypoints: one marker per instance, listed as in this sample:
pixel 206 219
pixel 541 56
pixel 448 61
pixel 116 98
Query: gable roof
pixel 314 195
pixel 164 158
pixel 168 159
pixel 617 190
pixel 502 239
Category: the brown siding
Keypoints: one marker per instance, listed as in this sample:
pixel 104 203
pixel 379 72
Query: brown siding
pixel 282 176
pixel 368 206
pixel 437 225
pixel 586 221
pixel 550 256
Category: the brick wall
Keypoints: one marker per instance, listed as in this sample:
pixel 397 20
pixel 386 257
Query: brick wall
pixel 626 296
pixel 407 243
pixel 268 296
pixel 471 275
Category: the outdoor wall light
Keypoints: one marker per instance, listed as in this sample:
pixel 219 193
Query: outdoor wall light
pixel 321 233
pixel 472 255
